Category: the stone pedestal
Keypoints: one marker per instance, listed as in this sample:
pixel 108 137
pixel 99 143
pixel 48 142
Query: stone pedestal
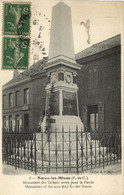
pixel 62 92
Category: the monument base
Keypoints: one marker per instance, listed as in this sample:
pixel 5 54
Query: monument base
pixel 67 123
pixel 69 151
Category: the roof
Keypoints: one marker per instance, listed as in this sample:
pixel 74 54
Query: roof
pixel 99 47
pixel 14 80
pixel 36 68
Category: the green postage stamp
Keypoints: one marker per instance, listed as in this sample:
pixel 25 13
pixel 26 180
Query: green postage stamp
pixel 16 19
pixel 16 35
pixel 15 53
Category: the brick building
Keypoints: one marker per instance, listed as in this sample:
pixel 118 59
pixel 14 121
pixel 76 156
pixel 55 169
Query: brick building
pixel 99 84
pixel 24 99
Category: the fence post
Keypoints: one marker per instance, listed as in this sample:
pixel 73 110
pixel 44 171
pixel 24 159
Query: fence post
pixel 77 148
pixel 86 151
pixel 69 151
pixel 56 147
pixel 63 146
pixel 18 149
pixel 95 149
pixel 3 148
pixel 103 151
pixel 91 150
pixel 15 154
pixel 31 154
pixel 35 153
pixel 49 150
pixel 81 148
pixel 42 147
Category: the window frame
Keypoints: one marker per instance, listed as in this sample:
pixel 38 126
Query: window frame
pixel 92 82
pixel 3 102
pixel 16 98
pixel 26 99
pixel 10 99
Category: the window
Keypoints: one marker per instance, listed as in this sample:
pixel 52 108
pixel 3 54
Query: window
pixel 10 100
pixel 17 98
pixel 93 117
pixel 90 71
pixel 26 96
pixel 17 123
pixel 92 77
pixel 61 76
pixel 69 103
pixel 4 100
pixel 10 123
pixel 94 69
pixel 4 123
pixel 26 122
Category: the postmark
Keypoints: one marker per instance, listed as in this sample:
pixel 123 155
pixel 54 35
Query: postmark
pixel 15 53
pixel 16 19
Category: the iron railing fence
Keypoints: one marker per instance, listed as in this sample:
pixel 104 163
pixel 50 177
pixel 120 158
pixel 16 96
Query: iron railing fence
pixel 21 130
pixel 65 151
pixel 17 151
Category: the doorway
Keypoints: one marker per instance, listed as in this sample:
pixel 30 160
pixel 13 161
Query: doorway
pixel 93 118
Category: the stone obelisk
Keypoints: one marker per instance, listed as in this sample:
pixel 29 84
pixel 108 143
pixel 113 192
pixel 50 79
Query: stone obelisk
pixel 61 37
pixel 62 68
pixel 61 97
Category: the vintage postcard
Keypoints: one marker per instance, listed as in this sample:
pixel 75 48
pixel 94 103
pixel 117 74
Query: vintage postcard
pixel 61 96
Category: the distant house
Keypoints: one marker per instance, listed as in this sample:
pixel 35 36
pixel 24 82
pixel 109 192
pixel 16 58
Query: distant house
pixel 99 84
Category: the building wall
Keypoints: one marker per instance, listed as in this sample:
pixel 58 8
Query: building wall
pixel 99 84
pixel 18 109
pixel 38 86
pixel 34 109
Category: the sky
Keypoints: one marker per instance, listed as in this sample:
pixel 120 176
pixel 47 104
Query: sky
pixel 105 22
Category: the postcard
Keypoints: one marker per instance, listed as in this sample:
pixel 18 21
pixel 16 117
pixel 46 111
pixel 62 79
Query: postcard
pixel 61 82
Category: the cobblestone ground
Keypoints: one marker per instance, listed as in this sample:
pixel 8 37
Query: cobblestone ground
pixel 112 169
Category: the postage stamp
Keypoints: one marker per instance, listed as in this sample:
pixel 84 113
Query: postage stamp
pixel 16 19
pixel 15 53
pixel 16 35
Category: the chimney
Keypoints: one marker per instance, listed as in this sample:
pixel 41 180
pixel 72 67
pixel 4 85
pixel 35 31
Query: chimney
pixel 15 74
